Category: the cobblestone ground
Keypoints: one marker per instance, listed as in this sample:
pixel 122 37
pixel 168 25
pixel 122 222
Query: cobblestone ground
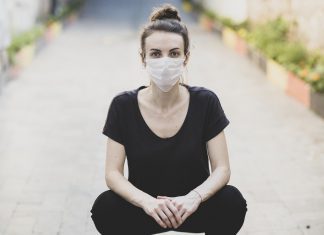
pixel 52 151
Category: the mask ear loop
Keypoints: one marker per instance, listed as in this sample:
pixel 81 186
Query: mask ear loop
pixel 184 75
pixel 144 65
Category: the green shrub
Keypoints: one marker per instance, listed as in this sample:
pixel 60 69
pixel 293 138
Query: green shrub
pixel 274 31
pixel 317 78
pixel 292 52
pixel 30 36
pixel 273 50
pixel 226 21
pixel 24 39
pixel 272 39
pixel 210 14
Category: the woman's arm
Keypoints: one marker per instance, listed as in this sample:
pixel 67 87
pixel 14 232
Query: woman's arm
pixel 220 167
pixel 114 175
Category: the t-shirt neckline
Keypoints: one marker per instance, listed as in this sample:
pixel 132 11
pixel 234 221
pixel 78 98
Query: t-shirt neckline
pixel 138 111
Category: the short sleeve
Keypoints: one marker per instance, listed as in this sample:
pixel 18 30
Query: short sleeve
pixel 112 127
pixel 215 120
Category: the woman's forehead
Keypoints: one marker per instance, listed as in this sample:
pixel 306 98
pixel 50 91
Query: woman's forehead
pixel 164 41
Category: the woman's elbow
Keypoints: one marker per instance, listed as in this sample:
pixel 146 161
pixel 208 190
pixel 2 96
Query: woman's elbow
pixel 227 174
pixel 111 177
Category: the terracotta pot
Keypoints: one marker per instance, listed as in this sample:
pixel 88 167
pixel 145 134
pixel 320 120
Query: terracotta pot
pixel 25 56
pixel 277 74
pixel 53 30
pixel 206 23
pixel 229 37
pixel 298 89
pixel 241 46
pixel 317 102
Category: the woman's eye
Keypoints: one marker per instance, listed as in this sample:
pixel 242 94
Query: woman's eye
pixel 154 54
pixel 174 54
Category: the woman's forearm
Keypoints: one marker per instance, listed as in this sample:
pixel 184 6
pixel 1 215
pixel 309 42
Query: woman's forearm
pixel 120 185
pixel 217 179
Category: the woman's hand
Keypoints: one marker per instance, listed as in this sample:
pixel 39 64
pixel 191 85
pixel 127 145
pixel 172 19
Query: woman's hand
pixel 186 205
pixel 163 211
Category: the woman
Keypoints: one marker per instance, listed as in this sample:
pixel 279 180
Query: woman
pixel 165 130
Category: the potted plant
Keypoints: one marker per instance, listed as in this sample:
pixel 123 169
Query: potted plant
pixel 316 79
pixel 317 102
pixel 53 29
pixel 277 74
pixel 187 6
pixel 207 19
pixel 241 45
pixel 229 37
pixel 298 89
pixel 22 48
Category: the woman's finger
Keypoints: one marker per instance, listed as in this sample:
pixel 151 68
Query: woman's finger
pixel 164 197
pixel 164 217
pixel 170 215
pixel 158 220
pixel 175 212
pixel 182 212
pixel 185 216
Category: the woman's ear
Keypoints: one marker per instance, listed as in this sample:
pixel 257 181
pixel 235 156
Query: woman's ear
pixel 187 57
pixel 143 58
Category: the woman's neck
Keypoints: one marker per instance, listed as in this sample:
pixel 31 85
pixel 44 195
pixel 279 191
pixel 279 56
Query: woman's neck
pixel 164 100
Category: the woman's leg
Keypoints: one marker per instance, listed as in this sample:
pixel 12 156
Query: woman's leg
pixel 112 214
pixel 223 213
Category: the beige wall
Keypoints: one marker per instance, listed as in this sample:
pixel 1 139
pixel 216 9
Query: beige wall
pixel 235 9
pixel 309 15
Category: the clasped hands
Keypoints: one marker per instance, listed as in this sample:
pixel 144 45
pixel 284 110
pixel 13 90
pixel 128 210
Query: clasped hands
pixel 171 212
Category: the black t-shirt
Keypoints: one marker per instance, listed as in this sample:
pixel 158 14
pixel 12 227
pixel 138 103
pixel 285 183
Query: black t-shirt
pixel 166 166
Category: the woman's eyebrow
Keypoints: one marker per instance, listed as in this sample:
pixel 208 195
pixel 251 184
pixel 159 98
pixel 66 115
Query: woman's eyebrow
pixel 154 49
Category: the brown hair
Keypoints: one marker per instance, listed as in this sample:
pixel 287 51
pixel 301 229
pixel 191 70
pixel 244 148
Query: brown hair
pixel 165 18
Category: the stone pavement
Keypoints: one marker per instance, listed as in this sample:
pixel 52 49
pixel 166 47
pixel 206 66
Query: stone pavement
pixel 52 151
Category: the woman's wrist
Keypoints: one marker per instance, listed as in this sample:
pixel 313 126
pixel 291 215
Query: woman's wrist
pixel 142 200
pixel 195 194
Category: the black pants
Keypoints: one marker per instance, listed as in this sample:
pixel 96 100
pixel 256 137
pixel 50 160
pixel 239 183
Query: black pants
pixel 221 214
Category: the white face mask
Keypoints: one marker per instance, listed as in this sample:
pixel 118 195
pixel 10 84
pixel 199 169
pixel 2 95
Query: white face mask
pixel 165 71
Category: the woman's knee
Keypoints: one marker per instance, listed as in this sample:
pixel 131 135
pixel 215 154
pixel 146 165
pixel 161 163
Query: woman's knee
pixel 229 206
pixel 112 214
pixel 103 202
pixel 231 197
pixel 105 210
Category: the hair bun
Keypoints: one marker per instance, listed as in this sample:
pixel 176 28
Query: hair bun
pixel 166 11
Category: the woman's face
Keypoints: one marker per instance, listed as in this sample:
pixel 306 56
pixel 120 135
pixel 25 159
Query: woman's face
pixel 161 44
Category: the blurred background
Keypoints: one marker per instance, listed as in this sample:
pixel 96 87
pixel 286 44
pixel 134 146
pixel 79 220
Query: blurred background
pixel 62 61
